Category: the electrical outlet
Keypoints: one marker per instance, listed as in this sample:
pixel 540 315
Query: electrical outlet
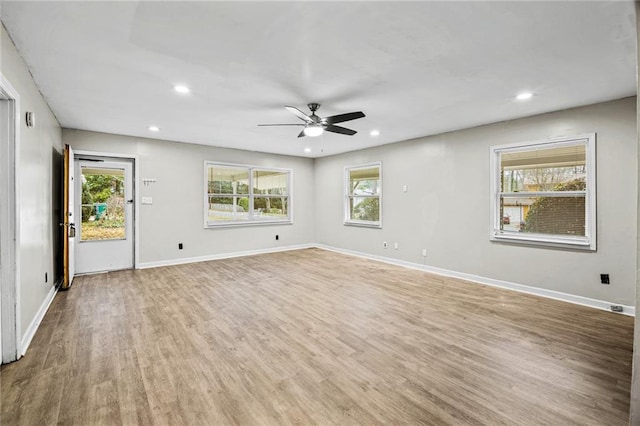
pixel 604 279
pixel 179 246
pixel 424 252
pixel 277 237
pixel 385 244
pixel 616 308
pixel 46 277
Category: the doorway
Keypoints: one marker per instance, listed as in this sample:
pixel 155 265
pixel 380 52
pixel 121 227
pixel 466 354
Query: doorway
pixel 104 203
pixel 9 223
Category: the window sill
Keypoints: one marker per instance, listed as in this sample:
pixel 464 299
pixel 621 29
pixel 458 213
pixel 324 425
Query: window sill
pixel 544 241
pixel 209 225
pixel 364 224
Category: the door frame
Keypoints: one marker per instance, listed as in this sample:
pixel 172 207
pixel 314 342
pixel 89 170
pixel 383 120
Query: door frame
pixel 136 187
pixel 10 230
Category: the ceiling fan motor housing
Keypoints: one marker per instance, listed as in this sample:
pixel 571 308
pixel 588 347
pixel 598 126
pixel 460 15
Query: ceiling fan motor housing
pixel 314 107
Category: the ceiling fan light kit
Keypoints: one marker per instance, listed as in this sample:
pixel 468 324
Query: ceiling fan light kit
pixel 315 125
pixel 313 130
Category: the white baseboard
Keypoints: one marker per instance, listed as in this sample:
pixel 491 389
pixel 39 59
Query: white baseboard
pixel 551 294
pixel 182 261
pixel 27 336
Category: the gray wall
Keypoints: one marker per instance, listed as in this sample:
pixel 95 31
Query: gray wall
pixel 446 208
pixel 176 214
pixel 38 148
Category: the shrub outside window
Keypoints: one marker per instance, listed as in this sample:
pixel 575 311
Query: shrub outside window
pixel 544 192
pixel 246 195
pixel 363 195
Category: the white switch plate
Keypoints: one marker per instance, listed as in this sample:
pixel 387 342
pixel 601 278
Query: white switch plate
pixel 405 188
pixel 147 200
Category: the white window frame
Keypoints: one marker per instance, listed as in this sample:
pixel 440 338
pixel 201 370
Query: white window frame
pixel 252 221
pixel 588 242
pixel 347 189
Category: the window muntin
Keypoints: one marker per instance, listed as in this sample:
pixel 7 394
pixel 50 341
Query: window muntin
pixel 240 195
pixel 363 192
pixel 545 192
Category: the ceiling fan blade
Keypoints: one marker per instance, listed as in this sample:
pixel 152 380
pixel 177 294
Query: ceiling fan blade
pixel 301 115
pixel 263 125
pixel 301 135
pixel 339 129
pixel 343 117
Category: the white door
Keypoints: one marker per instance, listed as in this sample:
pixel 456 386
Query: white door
pixel 104 204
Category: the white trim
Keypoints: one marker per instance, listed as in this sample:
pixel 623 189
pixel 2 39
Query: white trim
pixel 136 197
pixel 10 235
pixel 185 260
pixel 589 241
pixel 346 187
pixel 549 294
pixel 37 320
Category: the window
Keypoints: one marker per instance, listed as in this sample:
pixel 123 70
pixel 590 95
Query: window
pixel 363 192
pixel 545 192
pixel 241 195
pixel 103 203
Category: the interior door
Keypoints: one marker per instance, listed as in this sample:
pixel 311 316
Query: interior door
pixel 104 200
pixel 69 218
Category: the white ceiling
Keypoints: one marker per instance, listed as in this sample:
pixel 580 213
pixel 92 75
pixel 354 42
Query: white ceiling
pixel 414 68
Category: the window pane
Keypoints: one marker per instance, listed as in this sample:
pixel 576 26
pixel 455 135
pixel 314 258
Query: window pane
pixel 244 194
pixel 270 208
pixel 562 168
pixel 364 181
pixel 270 182
pixel 103 213
pixel 228 208
pixel 544 215
pixel 364 208
pixel 228 180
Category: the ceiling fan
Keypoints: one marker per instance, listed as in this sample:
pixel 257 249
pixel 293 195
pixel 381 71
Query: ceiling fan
pixel 315 125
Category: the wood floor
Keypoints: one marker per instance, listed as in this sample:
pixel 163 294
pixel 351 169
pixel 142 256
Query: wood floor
pixel 315 337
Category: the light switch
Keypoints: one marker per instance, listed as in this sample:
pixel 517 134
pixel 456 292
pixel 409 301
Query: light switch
pixel 147 200
pixel 405 188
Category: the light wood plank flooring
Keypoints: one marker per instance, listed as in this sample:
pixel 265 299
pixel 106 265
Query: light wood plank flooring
pixel 315 337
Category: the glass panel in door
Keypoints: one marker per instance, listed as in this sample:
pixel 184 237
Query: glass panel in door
pixel 103 204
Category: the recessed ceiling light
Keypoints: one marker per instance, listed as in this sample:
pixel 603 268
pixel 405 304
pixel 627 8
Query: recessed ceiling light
pixel 181 89
pixel 375 132
pixel 307 150
pixel 154 128
pixel 524 96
